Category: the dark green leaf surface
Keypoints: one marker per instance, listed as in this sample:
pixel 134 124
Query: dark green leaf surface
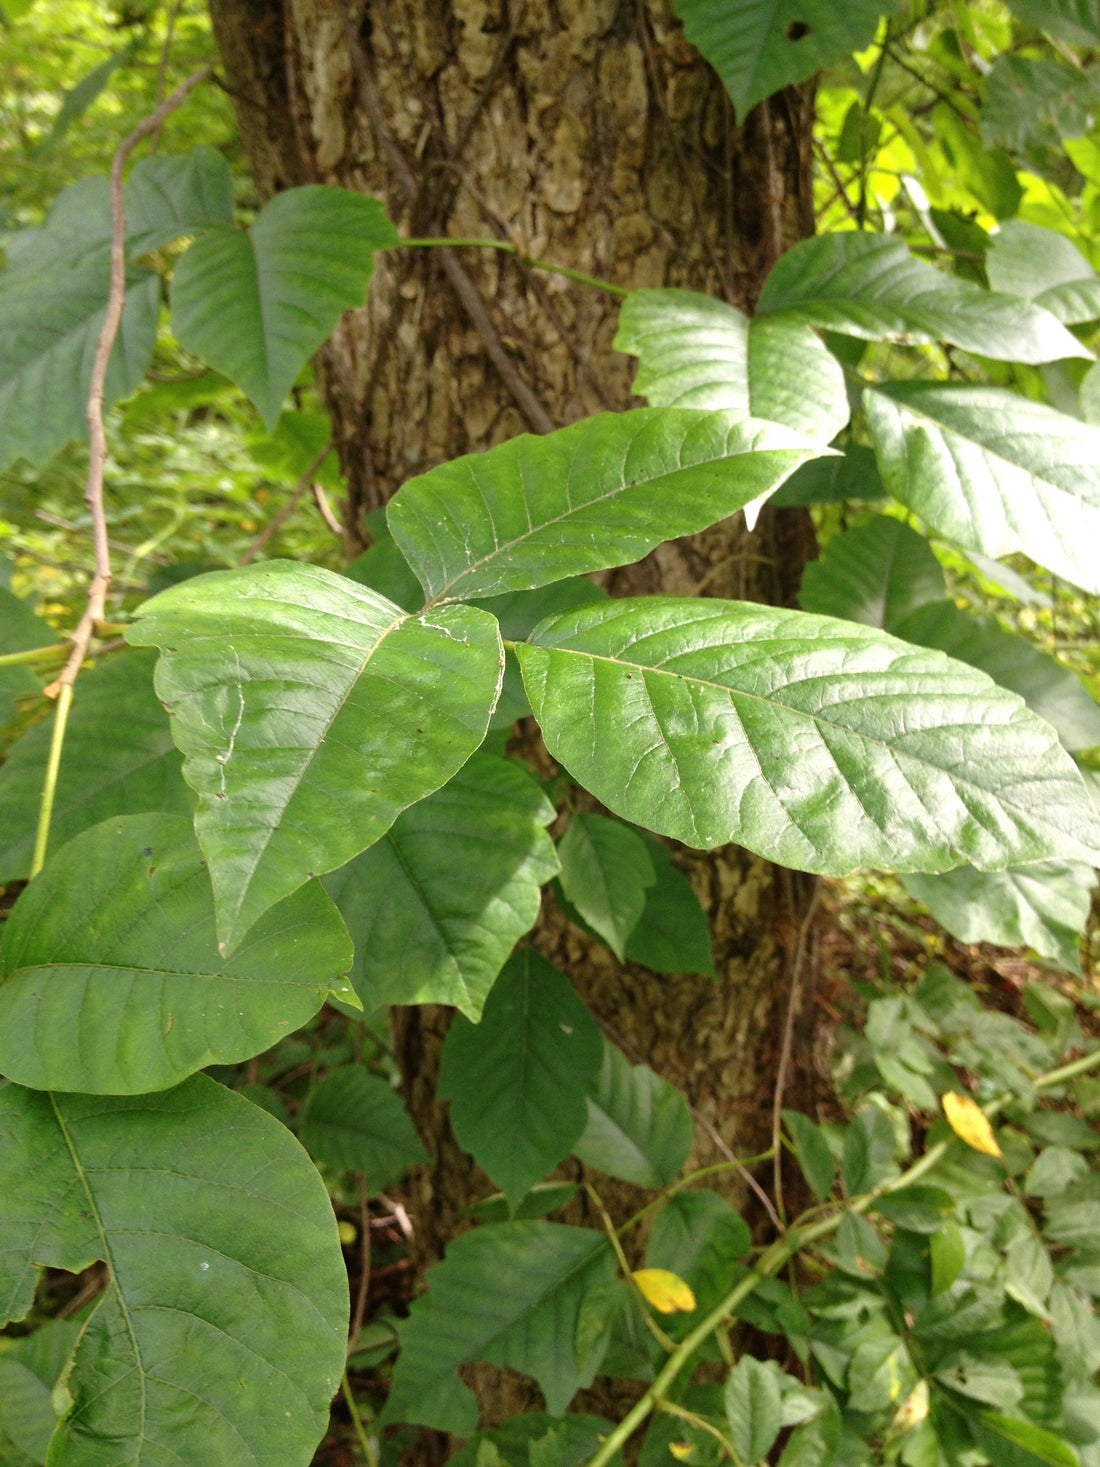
pixel 812 1150
pixel 639 1126
pixel 509 1293
pixel 256 304
pixel 311 711
pixel 112 979
pixel 994 471
pixel 819 744
pixel 672 935
pixel 852 474
pixel 119 760
pixel 221 1334
pixel 517 1080
pixel 697 352
pixel 1044 907
pixel 1048 688
pixel 574 1438
pixel 436 906
pixel 758 47
pixel 1032 103
pixel 599 493
pixel 355 1121
pixel 20 630
pixel 26 1415
pixel 1072 20
pixel 869 285
pixel 876 574
pixel 1013 1443
pixel 698 1236
pixel 868 1151
pixel 605 871
pixel 1025 259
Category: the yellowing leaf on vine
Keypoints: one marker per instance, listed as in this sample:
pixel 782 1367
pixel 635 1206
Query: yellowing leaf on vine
pixel 970 1123
pixel 681 1450
pixel 666 1291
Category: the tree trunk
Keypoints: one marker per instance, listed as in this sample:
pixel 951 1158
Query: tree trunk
pixel 586 133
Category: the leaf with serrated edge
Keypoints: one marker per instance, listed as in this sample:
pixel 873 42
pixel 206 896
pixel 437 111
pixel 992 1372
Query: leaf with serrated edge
pixel 509 1293
pixel 994 471
pixel 517 1080
pixel 353 1120
pixel 868 285
pixel 256 305
pixel 599 493
pixel 819 744
pixel 119 760
pixel 311 711
pixel 112 979
pixel 220 1336
pixel 437 904
pixel 697 352
pixel 639 1126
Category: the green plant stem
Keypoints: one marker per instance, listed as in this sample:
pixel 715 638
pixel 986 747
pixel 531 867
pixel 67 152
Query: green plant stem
pixel 55 652
pixel 49 788
pixel 507 248
pixel 715 1169
pixel 779 1253
pixel 357 1421
pixel 700 1423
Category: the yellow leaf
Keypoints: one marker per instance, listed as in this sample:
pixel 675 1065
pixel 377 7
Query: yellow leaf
pixel 666 1291
pixel 681 1450
pixel 970 1123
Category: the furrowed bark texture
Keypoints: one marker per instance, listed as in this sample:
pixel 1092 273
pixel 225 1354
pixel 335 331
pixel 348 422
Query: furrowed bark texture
pixel 588 133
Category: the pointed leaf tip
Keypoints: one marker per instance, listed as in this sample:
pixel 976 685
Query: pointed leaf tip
pixel 970 1123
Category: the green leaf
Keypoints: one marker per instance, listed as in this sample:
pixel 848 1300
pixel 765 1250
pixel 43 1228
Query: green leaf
pixel 994 471
pixel 1044 266
pixel 1033 103
pixel 876 574
pixel 1012 1443
pixel 814 1156
pixel 576 1437
pixel 119 759
pixel 172 196
pixel 799 737
pixel 605 870
pixel 948 1256
pixel 759 47
pixel 255 304
pixel 753 1407
pixel 20 631
pixel 699 1237
pixel 112 979
pixel 599 493
pixel 672 935
pixel 511 1294
pixel 76 100
pixel 868 285
pixel 25 1411
pixel 1029 1273
pixel 697 352
pixel 517 1080
pixel 353 1120
pixel 436 906
pixel 221 1334
pixel 852 474
pixel 1077 21
pixel 917 1209
pixel 639 1126
pixel 1044 907
pixel 880 1375
pixel 311 712
pixel 868 1151
pixel 1049 689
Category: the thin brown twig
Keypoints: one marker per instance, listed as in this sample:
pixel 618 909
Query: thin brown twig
pixel 279 520
pixel 324 509
pixel 364 1267
pixel 97 455
pixel 788 1033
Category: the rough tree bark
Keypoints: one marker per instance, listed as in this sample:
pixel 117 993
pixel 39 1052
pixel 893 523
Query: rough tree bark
pixel 587 133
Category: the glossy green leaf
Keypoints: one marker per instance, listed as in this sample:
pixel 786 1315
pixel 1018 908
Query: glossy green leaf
pixel 221 1334
pixel 760 46
pixel 255 304
pixel 819 744
pixel 697 352
pixel 437 904
pixel 605 870
pixel 1044 907
pixel 599 493
pixel 517 1080
pixel 814 1156
pixel 311 712
pixel 993 471
pixel 876 574
pixel 119 760
pixel 354 1121
pixel 112 979
pixel 639 1126
pixel 753 1407
pixel 672 935
pixel 868 285
pixel 1051 690
pixel 1046 267
pixel 509 1293
pixel 1072 20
